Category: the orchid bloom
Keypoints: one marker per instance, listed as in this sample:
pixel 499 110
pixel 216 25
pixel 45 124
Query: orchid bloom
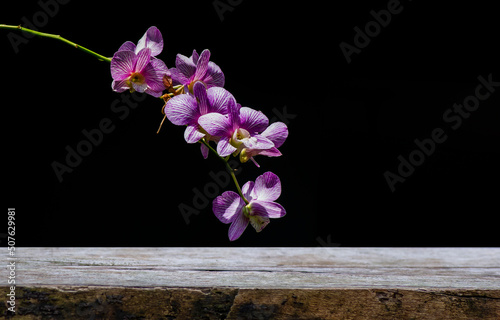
pixel 231 208
pixel 186 109
pixel 196 68
pixel 277 133
pixel 135 68
pixel 237 130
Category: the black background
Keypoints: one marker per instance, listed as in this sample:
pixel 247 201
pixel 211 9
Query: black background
pixel 352 121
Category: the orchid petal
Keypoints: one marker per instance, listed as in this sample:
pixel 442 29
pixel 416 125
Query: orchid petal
pixel 122 64
pixel 153 78
pixel 267 187
pixel 159 66
pixel 237 227
pixel 153 93
pixel 127 46
pixel 267 209
pixel 120 85
pixel 204 151
pixel 182 110
pixel 194 57
pixel 224 148
pixel 228 206
pixel 271 152
pixel 215 124
pixel 258 142
pixel 192 134
pixel 200 92
pixel 143 58
pixel 259 222
pixel 219 99
pixel 252 120
pixel 247 190
pixel 277 133
pixel 214 77
pixel 139 87
pixel 185 65
pixel 233 113
pixel 178 77
pixel 202 65
pixel 155 83
pixel 153 40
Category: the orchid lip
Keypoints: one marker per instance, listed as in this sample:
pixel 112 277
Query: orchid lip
pixel 138 78
pixel 239 136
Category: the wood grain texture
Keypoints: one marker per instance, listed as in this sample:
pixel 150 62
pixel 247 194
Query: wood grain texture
pixel 256 283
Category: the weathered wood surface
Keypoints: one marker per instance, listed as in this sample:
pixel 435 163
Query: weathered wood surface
pixel 256 283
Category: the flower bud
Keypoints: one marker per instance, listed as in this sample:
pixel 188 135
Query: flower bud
pixel 244 157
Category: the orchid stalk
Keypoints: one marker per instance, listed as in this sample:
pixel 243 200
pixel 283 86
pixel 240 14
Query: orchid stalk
pixel 231 170
pixel 195 98
pixel 57 37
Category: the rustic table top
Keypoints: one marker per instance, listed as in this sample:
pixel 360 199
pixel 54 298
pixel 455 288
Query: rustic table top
pixel 253 283
pixel 463 268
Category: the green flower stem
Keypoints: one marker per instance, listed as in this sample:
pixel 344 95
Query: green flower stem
pixel 231 170
pixel 57 37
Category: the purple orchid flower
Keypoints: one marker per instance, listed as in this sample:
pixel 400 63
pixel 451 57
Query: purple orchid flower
pixel 186 109
pixel 135 68
pixel 230 207
pixel 277 133
pixel 237 130
pixel 138 72
pixel 188 71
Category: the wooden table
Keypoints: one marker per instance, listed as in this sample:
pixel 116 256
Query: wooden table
pixel 254 283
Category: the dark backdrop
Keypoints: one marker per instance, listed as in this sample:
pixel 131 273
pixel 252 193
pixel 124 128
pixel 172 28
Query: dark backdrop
pixel 350 123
